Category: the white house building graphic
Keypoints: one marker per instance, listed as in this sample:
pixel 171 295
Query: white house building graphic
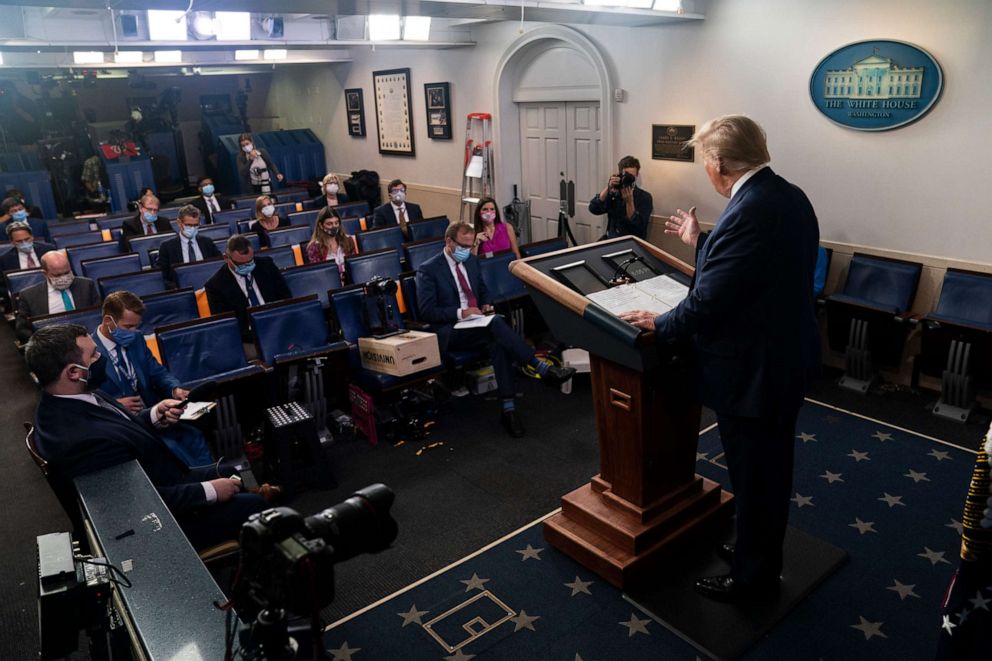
pixel 874 77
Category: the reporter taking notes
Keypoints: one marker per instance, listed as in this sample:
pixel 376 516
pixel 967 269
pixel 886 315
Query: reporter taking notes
pixel 750 315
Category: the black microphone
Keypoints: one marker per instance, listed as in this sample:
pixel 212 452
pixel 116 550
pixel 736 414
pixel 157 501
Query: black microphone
pixel 622 268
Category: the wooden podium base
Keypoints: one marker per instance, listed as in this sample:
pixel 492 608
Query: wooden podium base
pixel 622 542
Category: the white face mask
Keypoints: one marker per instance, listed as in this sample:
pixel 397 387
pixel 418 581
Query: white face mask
pixel 247 148
pixel 331 189
pixel 399 196
pixel 268 210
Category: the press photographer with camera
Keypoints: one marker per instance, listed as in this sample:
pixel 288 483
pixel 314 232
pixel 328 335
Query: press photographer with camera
pixel 627 206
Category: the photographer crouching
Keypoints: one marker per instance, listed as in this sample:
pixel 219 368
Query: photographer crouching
pixel 628 208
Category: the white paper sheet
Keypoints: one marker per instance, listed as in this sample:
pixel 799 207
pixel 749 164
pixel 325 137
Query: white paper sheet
pixel 658 294
pixel 476 321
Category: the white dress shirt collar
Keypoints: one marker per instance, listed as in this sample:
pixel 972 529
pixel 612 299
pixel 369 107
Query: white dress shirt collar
pixel 747 175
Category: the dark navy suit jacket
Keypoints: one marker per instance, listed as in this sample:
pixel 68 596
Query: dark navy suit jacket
pixel 224 293
pixel 170 255
pixel 751 311
pixel 437 294
pixel 77 437
pixel 384 216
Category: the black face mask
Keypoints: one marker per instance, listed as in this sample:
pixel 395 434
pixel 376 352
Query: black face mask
pixel 96 374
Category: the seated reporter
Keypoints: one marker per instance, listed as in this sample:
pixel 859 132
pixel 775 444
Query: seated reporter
pixel 209 201
pixel 80 430
pixel 61 291
pixel 491 233
pixel 147 221
pixel 244 280
pixel 26 253
pixel 330 242
pixel 136 380
pixel 331 194
pixel 185 248
pixel 397 211
pixel 450 288
pixel 14 210
pixel 266 220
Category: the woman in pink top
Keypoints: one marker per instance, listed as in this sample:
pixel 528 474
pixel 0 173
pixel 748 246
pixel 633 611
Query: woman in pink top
pixel 492 235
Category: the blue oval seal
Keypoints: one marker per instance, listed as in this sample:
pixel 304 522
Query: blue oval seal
pixel 876 85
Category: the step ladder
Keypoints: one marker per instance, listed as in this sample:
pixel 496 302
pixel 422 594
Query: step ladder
pixel 477 177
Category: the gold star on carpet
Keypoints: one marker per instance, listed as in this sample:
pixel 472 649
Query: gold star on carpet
pixel 459 656
pixel 344 652
pixel 578 585
pixel 939 455
pixel 892 501
pixel 475 583
pixel 903 590
pixel 702 456
pixel 863 526
pixel 802 501
pixel 530 553
pixel 806 438
pixel 859 456
pixel 933 556
pixel 869 629
pixel 882 436
pixel 635 625
pixel 832 477
pixel 917 477
pixel 412 616
pixel 524 621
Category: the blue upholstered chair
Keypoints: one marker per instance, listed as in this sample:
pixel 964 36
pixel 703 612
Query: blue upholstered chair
pixel 313 279
pixel 503 285
pixel 429 228
pixel 308 218
pixel 542 247
pixel 284 256
pixel 89 317
pixel 18 280
pixel 169 307
pixel 73 227
pixel 77 254
pixel 362 268
pixel 353 209
pixel 380 239
pixel 195 274
pixel 289 235
pixel 78 239
pixel 293 329
pixel 418 252
pixel 115 265
pixel 140 283
pixel 143 244
pixel 205 349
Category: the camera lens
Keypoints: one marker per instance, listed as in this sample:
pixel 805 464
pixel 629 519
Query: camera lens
pixel 360 524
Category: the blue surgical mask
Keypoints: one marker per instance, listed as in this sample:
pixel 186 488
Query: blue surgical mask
pixel 123 336
pixel 245 269
pixel 208 190
pixel 19 216
pixel 189 231
pixel 25 246
pixel 461 253
pixel 149 217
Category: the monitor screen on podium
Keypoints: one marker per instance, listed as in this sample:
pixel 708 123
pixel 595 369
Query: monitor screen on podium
pixel 580 277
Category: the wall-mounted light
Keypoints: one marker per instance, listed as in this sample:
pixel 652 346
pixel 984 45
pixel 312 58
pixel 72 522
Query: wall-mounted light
pixel 416 28
pixel 167 25
pixel 274 54
pixel 168 56
pixel 233 25
pixel 384 27
pixel 202 25
pixel 87 57
pixel 250 54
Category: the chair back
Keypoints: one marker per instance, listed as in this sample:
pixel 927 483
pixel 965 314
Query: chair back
pixel 252 238
pixel 195 274
pixel 87 317
pixel 885 283
pixel 140 283
pixel 170 213
pixel 380 239
pixel 202 348
pixel 352 226
pixel 284 256
pixel 293 196
pixel 429 228
pixel 351 309
pixel 77 254
pixel 144 244
pixel 502 284
pixel 284 209
pixel 246 203
pixel 167 308
pixel 112 222
pixel 966 296
pixel 215 231
pixel 289 327
pixel 308 218
pixel 313 279
pixel 63 490
pixel 419 252
pixel 18 280
pixel 542 247
pixel 290 235
pixel 116 265
pixel 72 227
pixel 78 239
pixel 232 216
pixel 353 209
pixel 361 268
pixel 408 286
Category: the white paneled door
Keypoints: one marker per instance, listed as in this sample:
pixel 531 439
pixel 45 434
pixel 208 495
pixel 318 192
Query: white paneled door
pixel 561 140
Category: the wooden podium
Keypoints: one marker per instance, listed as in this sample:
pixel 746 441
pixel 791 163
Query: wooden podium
pixel 646 499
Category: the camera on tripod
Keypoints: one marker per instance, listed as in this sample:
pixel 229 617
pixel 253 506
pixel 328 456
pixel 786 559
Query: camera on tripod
pixel 380 308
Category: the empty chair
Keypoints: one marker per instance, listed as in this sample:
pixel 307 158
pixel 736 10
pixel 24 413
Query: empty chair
pixel 167 308
pixel 419 252
pixel 352 226
pixel 541 247
pixel 293 196
pixel 232 216
pixel 215 231
pixel 290 235
pixel 205 349
pixel 18 280
pixel 308 218
pixel 283 256
pixel 77 254
pixel 292 329
pixel 169 212
pixel 78 239
pixel 387 237
pixel 116 265
pixel 283 210
pixel 112 222
pixel 867 320
pixel 353 209
pixel 143 244
pixel 196 274
pixel 503 285
pixel 245 202
pixel 313 279
pixel 89 317
pixel 428 228
pixel 139 283
pixel 362 268
pixel 956 342
pixel 73 227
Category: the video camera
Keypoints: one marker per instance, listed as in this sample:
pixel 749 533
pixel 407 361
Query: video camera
pixel 379 308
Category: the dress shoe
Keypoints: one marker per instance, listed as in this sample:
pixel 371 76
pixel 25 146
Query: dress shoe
pixel 511 422
pixel 556 375
pixel 726 553
pixel 724 588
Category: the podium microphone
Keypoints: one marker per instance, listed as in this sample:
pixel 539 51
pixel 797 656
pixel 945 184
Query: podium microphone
pixel 624 279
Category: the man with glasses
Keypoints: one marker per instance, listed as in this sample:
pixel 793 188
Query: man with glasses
pixel 450 289
pixel 187 247
pixel 209 202
pixel 397 211
pixel 147 221
pixel 245 280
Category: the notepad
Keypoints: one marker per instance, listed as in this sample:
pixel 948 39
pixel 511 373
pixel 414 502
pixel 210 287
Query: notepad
pixel 195 410
pixel 476 321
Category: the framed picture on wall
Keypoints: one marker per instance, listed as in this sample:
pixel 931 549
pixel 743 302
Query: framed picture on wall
pixel 355 106
pixel 438 102
pixel 394 111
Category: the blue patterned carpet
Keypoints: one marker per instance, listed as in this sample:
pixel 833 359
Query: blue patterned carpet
pixel 891 498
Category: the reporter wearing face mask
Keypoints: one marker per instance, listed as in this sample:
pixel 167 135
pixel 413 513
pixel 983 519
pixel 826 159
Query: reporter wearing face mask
pixel 255 167
pixel 146 223
pixel 492 235
pixel 397 211
pixel 26 253
pixel 266 220
pixel 61 291
pixel 330 242
pixel 210 201
pixel 13 209
pixel 136 380
pixel 185 248
pixel 331 193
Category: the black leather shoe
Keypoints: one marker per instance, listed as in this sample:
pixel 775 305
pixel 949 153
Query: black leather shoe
pixel 726 553
pixel 511 422
pixel 555 376
pixel 724 588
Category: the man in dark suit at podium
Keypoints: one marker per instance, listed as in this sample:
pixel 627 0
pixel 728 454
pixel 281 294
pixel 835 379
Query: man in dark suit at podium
pixel 450 288
pixel 751 316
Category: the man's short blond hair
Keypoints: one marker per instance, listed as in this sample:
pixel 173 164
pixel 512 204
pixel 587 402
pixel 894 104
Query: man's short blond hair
pixel 735 141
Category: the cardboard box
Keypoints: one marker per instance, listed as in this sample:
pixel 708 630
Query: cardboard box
pixel 400 355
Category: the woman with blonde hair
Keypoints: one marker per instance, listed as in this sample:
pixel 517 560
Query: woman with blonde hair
pixel 331 193
pixel 266 220
pixel 329 241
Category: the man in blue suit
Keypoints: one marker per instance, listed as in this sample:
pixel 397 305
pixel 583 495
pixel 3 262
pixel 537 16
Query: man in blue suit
pixel 80 430
pixel 136 380
pixel 750 315
pixel 450 288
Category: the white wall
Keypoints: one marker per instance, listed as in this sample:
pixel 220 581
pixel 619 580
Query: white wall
pixel 915 189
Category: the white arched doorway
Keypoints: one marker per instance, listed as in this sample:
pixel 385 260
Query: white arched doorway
pixel 554 113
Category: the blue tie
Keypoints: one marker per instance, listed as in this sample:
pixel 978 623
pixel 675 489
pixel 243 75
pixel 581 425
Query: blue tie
pixel 250 286
pixel 69 307
pixel 192 255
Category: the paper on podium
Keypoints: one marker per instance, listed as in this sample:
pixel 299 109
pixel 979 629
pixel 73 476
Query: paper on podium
pixel 476 321
pixel 658 294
